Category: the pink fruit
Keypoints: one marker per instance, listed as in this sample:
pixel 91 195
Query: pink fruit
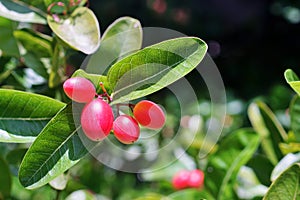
pixel 181 179
pixel 196 179
pixel 149 114
pixel 79 89
pixel 126 129
pixel 97 119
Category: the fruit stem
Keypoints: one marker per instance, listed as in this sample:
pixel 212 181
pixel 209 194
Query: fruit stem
pixel 105 94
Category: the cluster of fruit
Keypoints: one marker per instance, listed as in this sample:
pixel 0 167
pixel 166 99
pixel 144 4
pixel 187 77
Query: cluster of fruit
pixel 188 179
pixel 97 118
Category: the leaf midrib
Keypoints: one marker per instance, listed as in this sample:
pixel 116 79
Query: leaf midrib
pixel 184 59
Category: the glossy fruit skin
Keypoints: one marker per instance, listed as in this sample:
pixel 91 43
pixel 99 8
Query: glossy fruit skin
pixel 79 89
pixel 196 179
pixel 149 114
pixel 181 179
pixel 126 129
pixel 97 119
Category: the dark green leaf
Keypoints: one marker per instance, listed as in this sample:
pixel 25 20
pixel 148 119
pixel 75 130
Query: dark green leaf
pixel 80 30
pixel 268 127
pixel 234 151
pixel 8 44
pixel 23 115
pixel 154 67
pixel 262 168
pixel 19 12
pixel 15 156
pixel 5 179
pixel 122 37
pixel 55 150
pixel 34 43
pixel 286 186
pixel 34 63
pixel 295 117
pixel 293 80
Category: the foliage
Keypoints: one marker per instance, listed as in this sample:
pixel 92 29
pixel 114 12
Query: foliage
pixel 42 138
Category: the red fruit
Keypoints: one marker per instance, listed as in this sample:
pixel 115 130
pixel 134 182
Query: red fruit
pixel 97 119
pixel 126 129
pixel 181 179
pixel 79 89
pixel 149 114
pixel 196 179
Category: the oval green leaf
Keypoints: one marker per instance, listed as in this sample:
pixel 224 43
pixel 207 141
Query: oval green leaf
pixel 287 185
pixel 154 67
pixel 80 30
pixel 271 131
pixel 293 80
pixel 19 12
pixel 122 37
pixel 23 115
pixel 55 150
pixel 234 151
pixel 191 194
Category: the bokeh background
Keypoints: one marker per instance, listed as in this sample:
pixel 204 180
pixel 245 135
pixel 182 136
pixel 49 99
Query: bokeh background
pixel 252 41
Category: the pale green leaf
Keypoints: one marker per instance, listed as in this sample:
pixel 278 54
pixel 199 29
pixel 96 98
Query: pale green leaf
pixel 80 30
pixel 293 80
pixel 122 37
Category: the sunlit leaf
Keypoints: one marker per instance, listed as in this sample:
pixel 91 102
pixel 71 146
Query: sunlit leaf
pixel 80 30
pixel 122 37
pixel 191 194
pixel 293 80
pixel 154 67
pixel 23 115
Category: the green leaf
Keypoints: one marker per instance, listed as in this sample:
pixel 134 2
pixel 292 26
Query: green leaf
pixel 293 80
pixel 19 12
pixel 55 150
pixel 80 30
pixel 5 179
pixel 295 117
pixel 23 115
pixel 58 64
pixel 152 196
pixel 234 151
pixel 287 185
pixel 8 44
pixel 34 43
pixel 191 194
pixel 154 67
pixel 122 37
pixel 269 128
